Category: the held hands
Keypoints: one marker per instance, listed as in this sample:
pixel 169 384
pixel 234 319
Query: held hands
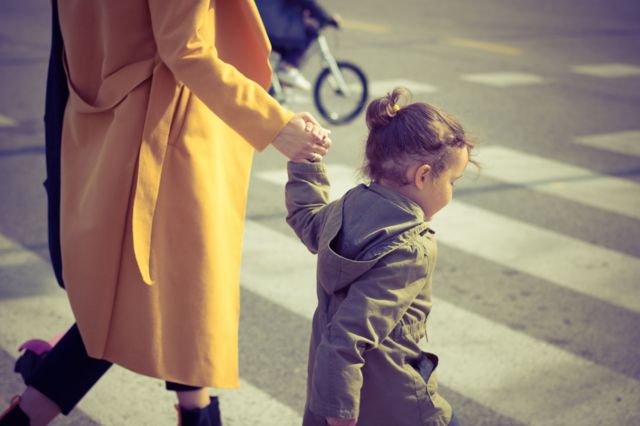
pixel 333 421
pixel 303 139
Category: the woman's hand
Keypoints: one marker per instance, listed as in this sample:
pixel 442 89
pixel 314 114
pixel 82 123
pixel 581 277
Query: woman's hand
pixel 303 139
pixel 334 421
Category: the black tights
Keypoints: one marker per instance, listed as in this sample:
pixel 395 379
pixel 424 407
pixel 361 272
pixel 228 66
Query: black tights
pixel 67 373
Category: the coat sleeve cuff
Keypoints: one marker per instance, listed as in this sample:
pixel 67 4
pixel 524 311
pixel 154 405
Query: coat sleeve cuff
pixel 325 410
pixel 295 168
pixel 272 128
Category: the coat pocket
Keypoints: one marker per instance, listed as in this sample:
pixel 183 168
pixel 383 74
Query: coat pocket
pixel 426 365
pixel 421 371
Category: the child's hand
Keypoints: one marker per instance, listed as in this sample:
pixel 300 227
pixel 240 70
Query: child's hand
pixel 320 134
pixel 297 142
pixel 319 145
pixel 334 421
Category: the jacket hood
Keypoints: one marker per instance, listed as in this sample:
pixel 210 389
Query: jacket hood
pixel 368 223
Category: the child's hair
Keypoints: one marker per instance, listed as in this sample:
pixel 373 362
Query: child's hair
pixel 403 133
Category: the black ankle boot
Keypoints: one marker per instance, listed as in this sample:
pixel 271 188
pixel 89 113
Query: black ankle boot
pixel 14 416
pixel 35 351
pixel 27 364
pixel 207 416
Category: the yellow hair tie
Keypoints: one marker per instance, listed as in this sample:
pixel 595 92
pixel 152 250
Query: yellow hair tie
pixel 396 108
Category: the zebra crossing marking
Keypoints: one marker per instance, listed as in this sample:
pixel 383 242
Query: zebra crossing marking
pixel 627 143
pixel 609 70
pixel 503 79
pixel 342 178
pixel 553 257
pixel 608 193
pixel 7 121
pixel 249 406
pixel 382 87
pixel 12 254
pixel 510 372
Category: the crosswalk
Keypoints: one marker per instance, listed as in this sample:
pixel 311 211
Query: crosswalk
pixel 508 371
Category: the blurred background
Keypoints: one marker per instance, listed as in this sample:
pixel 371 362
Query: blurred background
pixel 537 306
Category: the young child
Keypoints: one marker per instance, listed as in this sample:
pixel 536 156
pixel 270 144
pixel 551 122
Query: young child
pixel 376 257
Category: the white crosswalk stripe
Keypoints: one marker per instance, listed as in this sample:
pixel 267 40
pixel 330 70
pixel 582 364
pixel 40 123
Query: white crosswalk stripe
pixel 608 70
pixel 14 257
pixel 621 142
pixel 503 79
pixel 563 180
pixel 342 178
pixel 382 87
pixel 7 121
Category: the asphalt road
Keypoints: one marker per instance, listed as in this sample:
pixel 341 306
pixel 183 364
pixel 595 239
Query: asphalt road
pixel 537 310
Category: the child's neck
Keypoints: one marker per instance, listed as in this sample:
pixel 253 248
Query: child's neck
pixel 408 191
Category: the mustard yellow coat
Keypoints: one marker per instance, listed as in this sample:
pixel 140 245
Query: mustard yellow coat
pixel 167 104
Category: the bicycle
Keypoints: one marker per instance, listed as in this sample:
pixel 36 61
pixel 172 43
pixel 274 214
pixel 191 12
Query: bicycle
pixel 340 91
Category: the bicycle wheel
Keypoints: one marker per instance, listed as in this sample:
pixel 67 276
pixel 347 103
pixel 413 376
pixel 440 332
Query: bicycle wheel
pixel 338 106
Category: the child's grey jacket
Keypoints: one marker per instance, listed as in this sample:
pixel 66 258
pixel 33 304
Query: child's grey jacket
pixel 376 256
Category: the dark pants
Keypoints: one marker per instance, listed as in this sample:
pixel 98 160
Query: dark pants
pixel 292 56
pixel 295 55
pixel 56 96
pixel 67 373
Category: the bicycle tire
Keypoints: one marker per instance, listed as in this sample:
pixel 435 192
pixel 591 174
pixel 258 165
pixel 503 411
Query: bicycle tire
pixel 356 79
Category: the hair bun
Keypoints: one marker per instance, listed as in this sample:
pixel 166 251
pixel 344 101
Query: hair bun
pixel 381 111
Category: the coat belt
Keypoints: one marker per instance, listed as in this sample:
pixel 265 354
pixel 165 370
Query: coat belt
pixel 163 97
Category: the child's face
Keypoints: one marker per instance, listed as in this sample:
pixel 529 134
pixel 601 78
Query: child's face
pixel 437 191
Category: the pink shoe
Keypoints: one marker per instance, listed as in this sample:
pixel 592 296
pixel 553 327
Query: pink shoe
pixel 35 350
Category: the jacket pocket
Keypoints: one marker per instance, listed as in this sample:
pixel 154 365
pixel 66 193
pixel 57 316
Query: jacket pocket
pixel 426 365
pixel 421 371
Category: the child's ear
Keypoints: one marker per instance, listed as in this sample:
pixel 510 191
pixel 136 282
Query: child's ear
pixel 422 173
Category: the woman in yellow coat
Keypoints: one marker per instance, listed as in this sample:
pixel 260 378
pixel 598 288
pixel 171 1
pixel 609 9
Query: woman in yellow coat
pixel 167 104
